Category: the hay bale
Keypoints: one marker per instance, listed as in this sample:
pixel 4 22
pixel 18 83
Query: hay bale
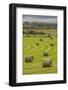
pixel 37 44
pixel 29 59
pixel 41 40
pixel 51 37
pixel 47 62
pixel 45 53
pixel 51 44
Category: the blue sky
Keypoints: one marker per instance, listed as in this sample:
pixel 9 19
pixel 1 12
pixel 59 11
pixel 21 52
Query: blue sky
pixel 39 18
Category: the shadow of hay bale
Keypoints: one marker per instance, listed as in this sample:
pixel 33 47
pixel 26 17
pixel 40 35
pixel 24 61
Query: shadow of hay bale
pixel 41 39
pixel 37 44
pixel 51 44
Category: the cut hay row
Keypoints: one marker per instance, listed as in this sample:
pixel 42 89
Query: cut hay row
pixel 42 47
pixel 36 66
pixel 53 52
pixel 35 47
pixel 45 70
pixel 27 47
pixel 33 67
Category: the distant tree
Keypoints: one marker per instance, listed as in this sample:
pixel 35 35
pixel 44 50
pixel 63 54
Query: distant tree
pixel 31 32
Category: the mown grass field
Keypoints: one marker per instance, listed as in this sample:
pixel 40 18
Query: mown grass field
pixel 30 48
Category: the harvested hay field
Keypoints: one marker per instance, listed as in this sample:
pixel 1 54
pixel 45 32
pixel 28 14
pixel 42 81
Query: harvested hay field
pixel 36 46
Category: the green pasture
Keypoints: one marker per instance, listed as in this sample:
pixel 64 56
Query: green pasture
pixel 29 47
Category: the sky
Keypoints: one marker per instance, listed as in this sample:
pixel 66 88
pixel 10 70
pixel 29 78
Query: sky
pixel 39 18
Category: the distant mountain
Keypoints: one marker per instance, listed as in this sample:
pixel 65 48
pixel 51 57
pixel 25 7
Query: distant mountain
pixel 39 25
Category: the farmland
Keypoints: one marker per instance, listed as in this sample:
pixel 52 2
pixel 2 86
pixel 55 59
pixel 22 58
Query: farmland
pixel 35 45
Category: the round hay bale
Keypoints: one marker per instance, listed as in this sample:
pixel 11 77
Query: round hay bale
pixel 45 53
pixel 51 44
pixel 47 62
pixel 41 40
pixel 29 59
pixel 51 37
pixel 37 44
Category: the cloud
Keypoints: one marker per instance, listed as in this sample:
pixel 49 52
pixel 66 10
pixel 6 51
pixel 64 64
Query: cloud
pixel 38 18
